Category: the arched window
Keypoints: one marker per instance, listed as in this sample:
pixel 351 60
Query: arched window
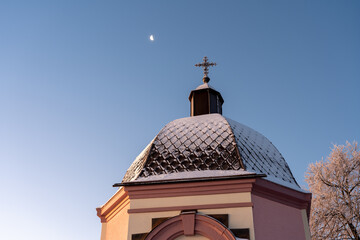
pixel 190 224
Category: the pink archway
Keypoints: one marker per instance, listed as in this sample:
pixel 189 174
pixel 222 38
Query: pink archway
pixel 190 224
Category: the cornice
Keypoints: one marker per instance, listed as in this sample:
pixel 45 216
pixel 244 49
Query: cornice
pixel 284 195
pixel 190 188
pixel 256 186
pixel 115 204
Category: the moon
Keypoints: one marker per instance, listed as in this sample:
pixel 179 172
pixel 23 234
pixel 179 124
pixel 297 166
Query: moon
pixel 151 37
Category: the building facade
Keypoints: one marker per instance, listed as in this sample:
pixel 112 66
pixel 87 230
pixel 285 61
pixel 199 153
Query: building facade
pixel 207 177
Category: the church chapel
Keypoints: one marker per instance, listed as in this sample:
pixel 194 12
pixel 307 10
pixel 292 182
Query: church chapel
pixel 207 177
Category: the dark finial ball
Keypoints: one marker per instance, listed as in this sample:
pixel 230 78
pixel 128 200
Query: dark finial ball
pixel 206 79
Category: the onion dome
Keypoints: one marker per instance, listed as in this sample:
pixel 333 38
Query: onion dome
pixel 208 144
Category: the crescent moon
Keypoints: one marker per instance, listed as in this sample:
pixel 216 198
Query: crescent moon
pixel 151 37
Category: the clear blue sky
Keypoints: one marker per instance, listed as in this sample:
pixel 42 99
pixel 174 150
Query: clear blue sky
pixel 83 91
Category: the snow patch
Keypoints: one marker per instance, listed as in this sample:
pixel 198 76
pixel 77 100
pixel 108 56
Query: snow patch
pixel 204 86
pixel 285 183
pixel 194 175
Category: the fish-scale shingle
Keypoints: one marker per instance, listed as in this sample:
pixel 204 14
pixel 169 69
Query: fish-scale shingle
pixel 209 142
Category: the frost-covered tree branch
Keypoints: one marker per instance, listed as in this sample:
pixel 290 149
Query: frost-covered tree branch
pixel 335 185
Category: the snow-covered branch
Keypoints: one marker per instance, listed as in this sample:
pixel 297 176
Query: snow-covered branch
pixel 335 185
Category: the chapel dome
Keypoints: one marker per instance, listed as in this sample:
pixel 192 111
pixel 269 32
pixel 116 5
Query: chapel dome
pixel 209 143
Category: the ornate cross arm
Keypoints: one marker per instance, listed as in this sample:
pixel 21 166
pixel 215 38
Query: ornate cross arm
pixel 205 65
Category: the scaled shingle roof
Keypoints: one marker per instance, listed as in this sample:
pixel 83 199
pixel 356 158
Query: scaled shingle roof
pixel 209 142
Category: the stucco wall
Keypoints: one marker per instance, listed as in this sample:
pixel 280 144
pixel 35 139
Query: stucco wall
pixel 274 221
pixel 190 200
pixel 196 237
pixel 131 212
pixel 117 227
pixel 239 217
pixel 142 222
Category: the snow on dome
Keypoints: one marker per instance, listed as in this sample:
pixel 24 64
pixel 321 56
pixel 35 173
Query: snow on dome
pixel 136 167
pixel 194 175
pixel 209 143
pixel 204 86
pixel 259 154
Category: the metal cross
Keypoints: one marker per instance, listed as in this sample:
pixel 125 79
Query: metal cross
pixel 205 64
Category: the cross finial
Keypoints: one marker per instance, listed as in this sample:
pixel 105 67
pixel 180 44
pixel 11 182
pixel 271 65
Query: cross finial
pixel 205 65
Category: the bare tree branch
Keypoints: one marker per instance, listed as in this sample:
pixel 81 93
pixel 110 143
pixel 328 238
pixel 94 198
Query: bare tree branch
pixel 335 185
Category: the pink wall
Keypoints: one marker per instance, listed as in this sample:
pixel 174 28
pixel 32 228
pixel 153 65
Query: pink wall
pixel 276 221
